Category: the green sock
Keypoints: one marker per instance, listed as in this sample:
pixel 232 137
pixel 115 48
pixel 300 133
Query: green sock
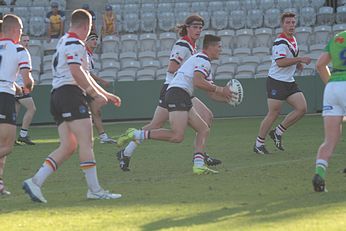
pixel 321 171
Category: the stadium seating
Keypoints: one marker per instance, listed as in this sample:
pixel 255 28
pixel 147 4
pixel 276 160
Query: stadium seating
pixel 219 20
pixel 110 43
pixel 341 14
pixel 237 19
pixel 307 16
pixel 325 16
pixel 145 74
pixel 148 22
pixel 227 38
pixel 129 42
pixel 145 27
pixel 161 73
pixel 271 18
pixel 267 4
pixel 254 18
pixel 303 35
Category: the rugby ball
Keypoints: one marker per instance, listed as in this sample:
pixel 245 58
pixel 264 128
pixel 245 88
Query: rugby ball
pixel 236 87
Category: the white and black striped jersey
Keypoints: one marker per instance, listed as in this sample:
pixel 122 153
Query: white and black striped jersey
pixel 91 64
pixel 183 49
pixel 70 50
pixel 183 78
pixel 13 57
pixel 283 47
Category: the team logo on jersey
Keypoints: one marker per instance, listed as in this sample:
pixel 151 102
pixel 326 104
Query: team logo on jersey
pixel 327 108
pixel 274 92
pixel 2 46
pixel 82 109
pixel 339 40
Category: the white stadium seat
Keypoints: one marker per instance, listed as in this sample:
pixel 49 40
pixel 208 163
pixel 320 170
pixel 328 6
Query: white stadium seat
pixel 272 18
pixel 227 38
pixel 129 42
pixel 254 18
pixel 126 75
pixel 237 19
pixel 307 16
pixel 167 40
pixel 145 74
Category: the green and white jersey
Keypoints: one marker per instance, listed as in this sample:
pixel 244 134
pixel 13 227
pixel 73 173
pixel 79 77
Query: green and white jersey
pixel 337 50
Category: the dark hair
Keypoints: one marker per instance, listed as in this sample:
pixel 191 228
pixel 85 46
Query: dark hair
pixel 181 28
pixel 79 17
pixel 286 15
pixel 92 35
pixel 209 40
pixel 8 21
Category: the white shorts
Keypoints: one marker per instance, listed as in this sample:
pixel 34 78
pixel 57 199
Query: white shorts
pixel 334 99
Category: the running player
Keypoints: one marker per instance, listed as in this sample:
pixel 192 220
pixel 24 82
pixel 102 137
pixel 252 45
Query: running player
pixel 334 104
pixel 26 101
pixel 71 81
pixel 184 48
pixel 281 85
pixel 95 109
pixel 13 57
pixel 195 72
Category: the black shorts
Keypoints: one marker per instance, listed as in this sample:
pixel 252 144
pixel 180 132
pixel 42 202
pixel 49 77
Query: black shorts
pixel 280 90
pixel 178 99
pixel 7 108
pixel 162 102
pixel 68 103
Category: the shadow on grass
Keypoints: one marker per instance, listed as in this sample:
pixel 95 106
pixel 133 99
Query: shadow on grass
pixel 248 215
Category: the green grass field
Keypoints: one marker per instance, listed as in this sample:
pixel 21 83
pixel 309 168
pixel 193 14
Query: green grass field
pixel 252 192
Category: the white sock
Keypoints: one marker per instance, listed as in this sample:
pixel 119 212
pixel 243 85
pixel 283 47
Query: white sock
pixel 103 135
pixel 279 130
pixel 130 148
pixel 89 169
pixel 48 167
pixel 259 141
pixel 198 160
pixel 141 135
pixel 23 132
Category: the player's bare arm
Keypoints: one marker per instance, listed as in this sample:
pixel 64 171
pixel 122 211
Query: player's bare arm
pixel 27 78
pixel 322 67
pixel 173 66
pixel 111 97
pixel 200 82
pixel 100 80
pixel 82 80
pixel 285 62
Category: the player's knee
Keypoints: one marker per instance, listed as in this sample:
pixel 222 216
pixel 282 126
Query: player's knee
pixel 6 150
pixel 177 138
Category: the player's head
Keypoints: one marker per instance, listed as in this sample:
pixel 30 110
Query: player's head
pixel 192 27
pixel 24 40
pixel 288 23
pixel 81 23
pixel 12 27
pixel 55 7
pixel 212 46
pixel 91 41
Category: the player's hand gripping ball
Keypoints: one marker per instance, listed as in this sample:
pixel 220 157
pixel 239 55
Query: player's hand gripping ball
pixel 237 92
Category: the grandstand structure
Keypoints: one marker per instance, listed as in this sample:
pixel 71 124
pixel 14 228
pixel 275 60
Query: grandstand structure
pixel 141 49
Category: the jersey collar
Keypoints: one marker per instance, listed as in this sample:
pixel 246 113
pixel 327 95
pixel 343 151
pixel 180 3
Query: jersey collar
pixel 73 35
pixel 89 50
pixel 292 40
pixel 192 43
pixel 8 39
